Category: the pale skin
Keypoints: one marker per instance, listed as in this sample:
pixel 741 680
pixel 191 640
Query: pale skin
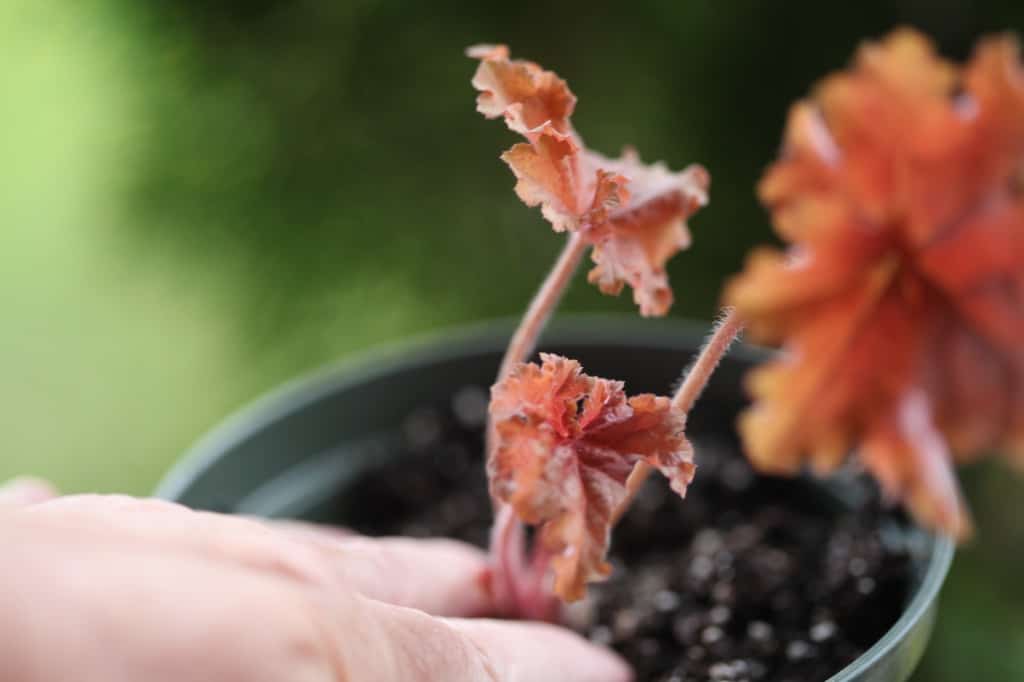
pixel 122 589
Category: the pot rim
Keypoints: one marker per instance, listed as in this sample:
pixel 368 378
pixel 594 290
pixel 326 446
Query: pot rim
pixel 415 351
pixel 450 343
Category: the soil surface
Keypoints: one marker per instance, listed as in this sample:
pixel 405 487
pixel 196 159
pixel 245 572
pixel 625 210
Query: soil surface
pixel 746 579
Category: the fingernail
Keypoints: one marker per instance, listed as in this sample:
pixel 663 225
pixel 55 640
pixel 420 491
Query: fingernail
pixel 25 490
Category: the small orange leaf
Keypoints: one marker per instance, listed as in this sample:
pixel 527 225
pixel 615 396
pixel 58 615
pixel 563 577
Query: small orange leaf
pixel 634 215
pixel 900 300
pixel 546 174
pixel 637 239
pixel 565 445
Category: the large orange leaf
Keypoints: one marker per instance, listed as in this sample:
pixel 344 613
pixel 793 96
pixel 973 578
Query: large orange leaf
pixel 565 445
pixel 633 214
pixel 900 300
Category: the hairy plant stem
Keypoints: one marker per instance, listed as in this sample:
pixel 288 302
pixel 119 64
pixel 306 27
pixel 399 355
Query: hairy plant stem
pixel 726 329
pixel 543 304
pixel 517 587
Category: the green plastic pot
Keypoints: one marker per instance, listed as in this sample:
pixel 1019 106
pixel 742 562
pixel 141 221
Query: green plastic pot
pixel 294 453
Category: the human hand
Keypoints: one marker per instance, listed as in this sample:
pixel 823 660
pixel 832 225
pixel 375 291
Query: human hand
pixel 116 589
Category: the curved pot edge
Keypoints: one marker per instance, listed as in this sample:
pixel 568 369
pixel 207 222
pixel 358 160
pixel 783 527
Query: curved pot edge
pixel 924 601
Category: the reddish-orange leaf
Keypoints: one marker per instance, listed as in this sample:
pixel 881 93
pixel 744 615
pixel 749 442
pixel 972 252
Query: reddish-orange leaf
pixel 634 215
pixel 565 445
pixel 900 301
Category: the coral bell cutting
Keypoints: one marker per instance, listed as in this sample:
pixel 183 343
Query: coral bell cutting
pixel 900 302
pixel 566 451
pixel 566 445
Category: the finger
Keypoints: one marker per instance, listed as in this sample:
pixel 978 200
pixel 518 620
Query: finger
pixel 395 643
pixel 442 577
pixel 173 528
pixel 438 576
pixel 539 651
pixel 25 490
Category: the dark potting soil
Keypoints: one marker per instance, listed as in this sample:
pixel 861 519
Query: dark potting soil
pixel 748 578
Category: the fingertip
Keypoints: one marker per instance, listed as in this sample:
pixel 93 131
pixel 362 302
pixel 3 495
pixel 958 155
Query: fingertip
pixel 527 650
pixel 25 490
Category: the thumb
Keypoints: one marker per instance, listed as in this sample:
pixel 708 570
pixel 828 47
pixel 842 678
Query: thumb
pixel 397 644
pixel 25 490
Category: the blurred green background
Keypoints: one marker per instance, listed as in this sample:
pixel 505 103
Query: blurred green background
pixel 200 199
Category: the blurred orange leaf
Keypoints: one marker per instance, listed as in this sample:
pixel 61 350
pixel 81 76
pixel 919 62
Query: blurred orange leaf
pixel 633 214
pixel 900 300
pixel 565 445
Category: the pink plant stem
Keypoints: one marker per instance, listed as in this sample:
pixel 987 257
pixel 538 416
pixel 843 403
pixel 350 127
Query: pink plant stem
pixel 726 329
pixel 507 538
pixel 539 602
pixel 507 561
pixel 543 304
